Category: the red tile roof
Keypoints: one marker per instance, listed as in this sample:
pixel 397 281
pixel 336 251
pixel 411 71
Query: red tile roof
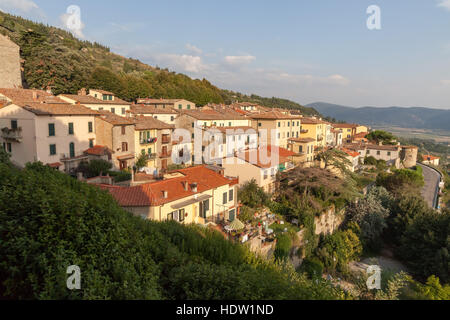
pixel 352 153
pixel 152 194
pixel 98 151
pixel 430 157
pixel 57 109
pixel 148 123
pixel 114 119
pixel 272 115
pixel 146 109
pixel 92 100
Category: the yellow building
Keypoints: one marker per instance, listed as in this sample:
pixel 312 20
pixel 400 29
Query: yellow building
pixel 305 148
pixel 177 104
pixel 315 129
pixel 98 100
pixel 153 138
pixel 278 127
pixel 192 195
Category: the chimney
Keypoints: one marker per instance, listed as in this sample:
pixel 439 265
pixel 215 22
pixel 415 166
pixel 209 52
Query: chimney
pixel 82 92
pixel 185 185
pixel 194 187
pixel 165 194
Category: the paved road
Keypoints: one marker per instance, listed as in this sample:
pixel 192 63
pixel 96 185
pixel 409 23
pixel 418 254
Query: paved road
pixel 429 190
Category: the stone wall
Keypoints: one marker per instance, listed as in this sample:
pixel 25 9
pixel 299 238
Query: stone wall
pixel 10 72
pixel 328 221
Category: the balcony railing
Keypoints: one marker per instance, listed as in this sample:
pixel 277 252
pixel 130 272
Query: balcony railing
pixel 76 156
pixel 147 141
pixel 12 134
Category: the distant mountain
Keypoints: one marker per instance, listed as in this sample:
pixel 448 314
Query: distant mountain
pixel 421 118
pixel 54 57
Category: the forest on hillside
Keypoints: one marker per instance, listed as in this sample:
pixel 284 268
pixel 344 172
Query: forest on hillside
pixel 54 57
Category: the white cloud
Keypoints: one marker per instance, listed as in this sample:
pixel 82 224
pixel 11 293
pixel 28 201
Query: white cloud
pixel 444 4
pixel 71 21
pixel 445 82
pixel 239 60
pixel 184 62
pixel 21 5
pixel 193 49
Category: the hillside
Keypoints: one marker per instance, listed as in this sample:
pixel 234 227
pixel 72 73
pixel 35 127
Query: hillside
pixel 49 221
pixel 54 57
pixel 421 118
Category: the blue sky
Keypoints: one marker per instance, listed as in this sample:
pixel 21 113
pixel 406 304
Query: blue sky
pixel 307 51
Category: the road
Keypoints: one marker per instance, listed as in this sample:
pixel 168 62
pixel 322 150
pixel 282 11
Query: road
pixel 430 189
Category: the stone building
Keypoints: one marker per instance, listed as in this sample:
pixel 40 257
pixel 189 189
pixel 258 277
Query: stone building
pixel 10 72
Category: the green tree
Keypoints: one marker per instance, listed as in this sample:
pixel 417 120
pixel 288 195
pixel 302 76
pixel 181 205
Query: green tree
pixel 251 195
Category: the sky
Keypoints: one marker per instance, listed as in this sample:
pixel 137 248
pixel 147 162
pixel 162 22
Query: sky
pixel 303 50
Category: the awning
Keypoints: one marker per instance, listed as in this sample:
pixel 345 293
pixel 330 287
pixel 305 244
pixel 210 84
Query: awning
pixel 236 225
pixel 126 157
pixel 190 201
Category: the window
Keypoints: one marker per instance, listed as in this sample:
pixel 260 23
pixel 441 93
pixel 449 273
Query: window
pixel 91 143
pixel 224 198
pixel 288 134
pixel 192 124
pixel 205 124
pixel 229 124
pixel 300 149
pixel 289 124
pixel 181 215
pixel 123 110
pixel 230 195
pixel 298 123
pixel 8 147
pixel 105 97
pixel 265 174
pixel 378 153
pixel 72 149
pixel 52 149
pixel 171 118
pixel 149 150
pixel 259 124
pixel 70 127
pixel 368 152
pixel 279 124
pixel 180 106
pixel 204 207
pixel 90 127
pixel 51 129
pixel 189 107
pixel 124 146
pixel 113 110
pixel 278 135
pixel 192 136
pixel 101 108
pixel 13 124
pixel 123 130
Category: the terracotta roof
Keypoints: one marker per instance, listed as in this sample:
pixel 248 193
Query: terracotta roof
pixel 430 157
pixel 59 109
pixel 55 164
pixel 274 115
pixel 251 155
pixel 352 153
pixel 148 123
pixel 29 95
pixel 306 120
pixel 383 147
pixel 345 125
pixel 360 135
pixel 92 100
pixel 98 151
pixel 302 140
pixel 152 194
pixel 156 101
pixel 213 115
pixel 143 109
pixel 114 119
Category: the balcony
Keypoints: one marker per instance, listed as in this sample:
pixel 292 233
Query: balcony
pixel 151 156
pixel 304 131
pixel 77 156
pixel 13 135
pixel 147 141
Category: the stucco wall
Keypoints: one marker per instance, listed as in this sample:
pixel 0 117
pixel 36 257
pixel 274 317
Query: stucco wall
pixel 10 72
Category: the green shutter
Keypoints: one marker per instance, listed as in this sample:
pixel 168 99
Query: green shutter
pixel 51 129
pixel 71 128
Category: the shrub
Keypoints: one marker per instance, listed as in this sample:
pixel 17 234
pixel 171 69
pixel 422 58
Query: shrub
pixel 283 247
pixel 313 267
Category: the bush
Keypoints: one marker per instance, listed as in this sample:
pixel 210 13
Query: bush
pixel 251 195
pixel 94 168
pixel 283 247
pixel 49 221
pixel 313 267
